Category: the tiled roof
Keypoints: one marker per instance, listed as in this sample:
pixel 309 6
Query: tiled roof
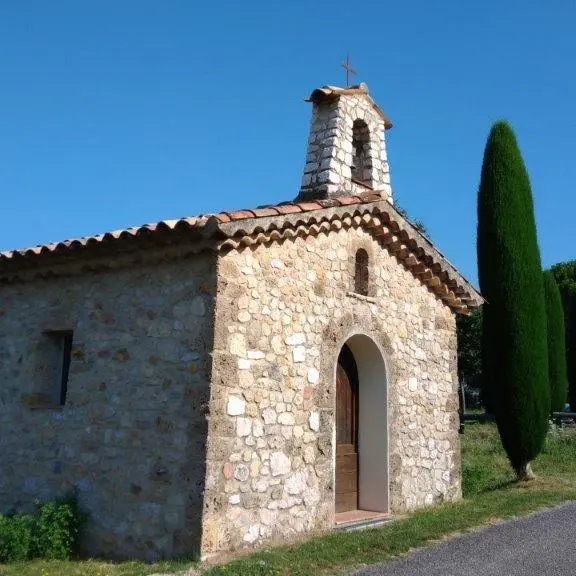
pixel 297 207
pixel 116 235
pixel 239 228
pixel 193 222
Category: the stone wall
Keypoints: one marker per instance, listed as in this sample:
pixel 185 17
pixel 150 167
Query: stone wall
pixel 330 152
pixel 283 312
pixel 131 437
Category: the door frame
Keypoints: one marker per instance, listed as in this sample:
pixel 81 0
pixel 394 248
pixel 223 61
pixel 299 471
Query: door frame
pixel 349 448
pixel 373 430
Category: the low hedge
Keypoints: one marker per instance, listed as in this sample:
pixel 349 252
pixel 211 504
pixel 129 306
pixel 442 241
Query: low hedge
pixel 53 532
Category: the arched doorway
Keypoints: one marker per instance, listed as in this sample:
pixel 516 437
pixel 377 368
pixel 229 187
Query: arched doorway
pixel 361 461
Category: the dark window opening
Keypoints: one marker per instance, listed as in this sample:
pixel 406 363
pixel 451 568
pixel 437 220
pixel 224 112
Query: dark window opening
pixel 66 357
pixel 361 275
pixel 361 168
pixel 62 355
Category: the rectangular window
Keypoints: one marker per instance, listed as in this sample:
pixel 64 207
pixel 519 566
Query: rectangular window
pixel 61 355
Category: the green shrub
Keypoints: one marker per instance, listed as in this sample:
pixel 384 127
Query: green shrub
pixel 57 529
pixel 52 533
pixel 15 537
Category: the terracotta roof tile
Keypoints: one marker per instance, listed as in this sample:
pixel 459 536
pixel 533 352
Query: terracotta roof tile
pixel 264 212
pixel 346 200
pixel 309 206
pixel 328 202
pixel 241 214
pixel 288 208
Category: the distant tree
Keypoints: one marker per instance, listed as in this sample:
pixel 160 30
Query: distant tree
pixel 565 275
pixel 571 358
pixel 469 334
pixel 558 377
pixel 514 346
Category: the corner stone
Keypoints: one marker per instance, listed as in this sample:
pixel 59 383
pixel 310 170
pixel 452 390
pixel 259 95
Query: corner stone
pixel 314 421
pixel 236 406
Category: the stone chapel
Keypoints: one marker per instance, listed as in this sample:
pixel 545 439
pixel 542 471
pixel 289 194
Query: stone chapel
pixel 238 379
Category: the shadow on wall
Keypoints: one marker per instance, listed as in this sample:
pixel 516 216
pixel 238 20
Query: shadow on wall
pixel 130 439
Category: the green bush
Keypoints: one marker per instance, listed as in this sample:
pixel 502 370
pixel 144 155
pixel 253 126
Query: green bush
pixel 15 537
pixel 51 533
pixel 57 529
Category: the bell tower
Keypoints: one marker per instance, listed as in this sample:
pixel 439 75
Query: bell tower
pixel 347 145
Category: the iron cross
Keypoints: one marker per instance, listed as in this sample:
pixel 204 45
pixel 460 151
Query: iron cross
pixel 348 68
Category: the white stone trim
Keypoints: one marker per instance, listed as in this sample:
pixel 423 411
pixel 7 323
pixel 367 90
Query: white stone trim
pixel 361 297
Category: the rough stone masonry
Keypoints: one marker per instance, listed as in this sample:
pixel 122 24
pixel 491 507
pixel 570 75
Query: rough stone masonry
pixel 283 312
pixel 342 119
pixel 195 407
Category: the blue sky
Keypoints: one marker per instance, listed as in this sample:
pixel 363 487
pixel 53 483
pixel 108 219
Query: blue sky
pixel 119 112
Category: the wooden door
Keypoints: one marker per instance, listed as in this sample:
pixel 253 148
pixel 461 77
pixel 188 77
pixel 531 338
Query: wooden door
pixel 346 432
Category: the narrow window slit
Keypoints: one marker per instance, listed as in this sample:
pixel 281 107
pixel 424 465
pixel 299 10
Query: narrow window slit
pixel 361 275
pixel 59 356
pixel 66 357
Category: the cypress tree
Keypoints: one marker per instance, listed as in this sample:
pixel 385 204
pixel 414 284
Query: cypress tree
pixel 514 346
pixel 557 369
pixel 571 359
pixel 565 276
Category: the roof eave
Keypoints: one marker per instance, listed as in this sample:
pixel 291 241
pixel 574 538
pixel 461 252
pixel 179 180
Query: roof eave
pixel 334 92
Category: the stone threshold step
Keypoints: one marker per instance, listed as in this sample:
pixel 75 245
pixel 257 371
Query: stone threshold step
pixel 363 524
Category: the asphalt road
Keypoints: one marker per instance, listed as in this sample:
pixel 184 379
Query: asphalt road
pixel 538 545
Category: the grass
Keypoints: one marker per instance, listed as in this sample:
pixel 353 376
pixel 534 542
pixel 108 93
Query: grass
pixel 490 493
pixel 90 568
